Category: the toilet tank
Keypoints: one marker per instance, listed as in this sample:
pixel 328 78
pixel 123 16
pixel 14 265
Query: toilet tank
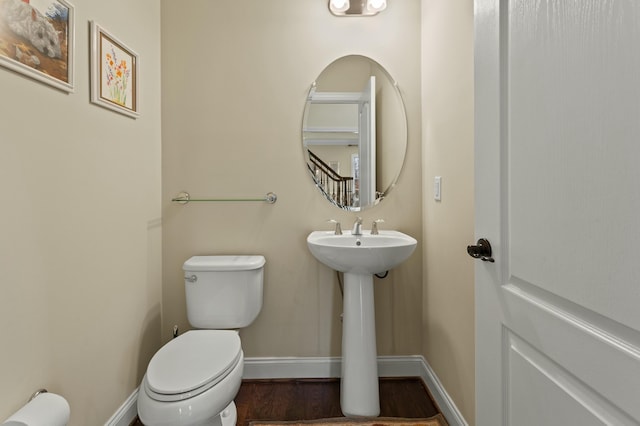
pixel 223 292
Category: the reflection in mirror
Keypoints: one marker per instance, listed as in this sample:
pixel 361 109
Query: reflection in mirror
pixel 354 132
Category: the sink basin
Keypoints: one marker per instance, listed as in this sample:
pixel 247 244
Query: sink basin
pixel 361 254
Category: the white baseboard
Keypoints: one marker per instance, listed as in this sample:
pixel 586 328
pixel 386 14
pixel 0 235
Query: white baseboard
pixel 326 367
pixel 447 407
pixel 126 413
pixel 291 368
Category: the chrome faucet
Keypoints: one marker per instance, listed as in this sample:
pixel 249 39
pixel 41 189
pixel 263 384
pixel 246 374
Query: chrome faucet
pixel 374 226
pixel 357 227
pixel 338 230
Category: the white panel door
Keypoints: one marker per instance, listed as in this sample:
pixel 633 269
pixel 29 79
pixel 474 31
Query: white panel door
pixel 367 145
pixel 557 151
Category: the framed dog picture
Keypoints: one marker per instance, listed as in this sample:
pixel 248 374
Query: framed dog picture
pixel 114 73
pixel 37 40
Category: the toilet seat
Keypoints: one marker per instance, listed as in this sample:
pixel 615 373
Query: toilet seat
pixel 192 363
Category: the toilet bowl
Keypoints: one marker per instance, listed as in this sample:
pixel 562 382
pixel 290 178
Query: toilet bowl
pixel 193 379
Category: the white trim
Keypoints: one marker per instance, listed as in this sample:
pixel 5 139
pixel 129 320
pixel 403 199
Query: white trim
pixel 326 367
pixel 332 142
pixel 127 412
pixel 291 368
pixel 334 97
pixel 447 407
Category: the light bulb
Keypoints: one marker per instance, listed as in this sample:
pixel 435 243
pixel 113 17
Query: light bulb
pixel 376 5
pixel 339 5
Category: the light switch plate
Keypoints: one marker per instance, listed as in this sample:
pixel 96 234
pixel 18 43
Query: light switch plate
pixel 437 188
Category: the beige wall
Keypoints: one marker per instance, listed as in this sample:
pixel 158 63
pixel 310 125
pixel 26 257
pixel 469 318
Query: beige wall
pixel 235 78
pixel 80 226
pixel 447 125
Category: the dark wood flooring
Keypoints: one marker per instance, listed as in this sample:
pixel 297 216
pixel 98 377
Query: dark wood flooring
pixel 308 399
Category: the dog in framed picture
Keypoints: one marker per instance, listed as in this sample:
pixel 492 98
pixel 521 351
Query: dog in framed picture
pixel 26 21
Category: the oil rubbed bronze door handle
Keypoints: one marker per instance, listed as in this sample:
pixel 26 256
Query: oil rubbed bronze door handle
pixel 482 250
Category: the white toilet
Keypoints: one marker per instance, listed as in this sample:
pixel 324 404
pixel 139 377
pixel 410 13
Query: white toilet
pixel 193 379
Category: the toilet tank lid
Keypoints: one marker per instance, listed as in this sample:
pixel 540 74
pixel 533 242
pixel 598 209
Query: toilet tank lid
pixel 224 263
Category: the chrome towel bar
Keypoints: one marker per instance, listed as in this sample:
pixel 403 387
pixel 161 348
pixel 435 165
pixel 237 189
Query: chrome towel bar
pixel 184 198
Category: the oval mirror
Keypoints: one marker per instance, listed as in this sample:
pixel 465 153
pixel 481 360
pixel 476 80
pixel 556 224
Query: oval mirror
pixel 354 132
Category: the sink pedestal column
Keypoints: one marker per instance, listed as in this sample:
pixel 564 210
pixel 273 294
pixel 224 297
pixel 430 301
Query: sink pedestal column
pixel 359 385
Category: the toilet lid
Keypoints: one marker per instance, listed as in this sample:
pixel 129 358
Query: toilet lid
pixel 192 363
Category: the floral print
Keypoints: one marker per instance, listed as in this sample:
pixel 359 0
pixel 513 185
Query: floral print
pixel 117 74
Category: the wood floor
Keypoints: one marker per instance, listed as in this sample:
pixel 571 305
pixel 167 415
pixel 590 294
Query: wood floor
pixel 308 399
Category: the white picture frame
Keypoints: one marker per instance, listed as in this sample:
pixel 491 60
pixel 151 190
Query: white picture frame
pixel 115 70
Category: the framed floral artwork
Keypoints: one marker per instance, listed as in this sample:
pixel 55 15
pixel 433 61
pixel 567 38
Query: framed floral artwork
pixel 114 73
pixel 37 40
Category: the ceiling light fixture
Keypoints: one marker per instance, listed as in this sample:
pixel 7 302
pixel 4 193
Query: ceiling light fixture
pixel 357 7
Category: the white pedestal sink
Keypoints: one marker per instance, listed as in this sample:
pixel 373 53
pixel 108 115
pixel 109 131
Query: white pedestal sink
pixel 359 257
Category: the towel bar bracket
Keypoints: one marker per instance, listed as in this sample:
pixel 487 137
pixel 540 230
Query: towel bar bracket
pixel 36 393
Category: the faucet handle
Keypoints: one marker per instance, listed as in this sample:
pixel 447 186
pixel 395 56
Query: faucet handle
pixel 374 226
pixel 338 230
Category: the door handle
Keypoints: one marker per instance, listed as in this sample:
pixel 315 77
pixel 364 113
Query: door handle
pixel 482 250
